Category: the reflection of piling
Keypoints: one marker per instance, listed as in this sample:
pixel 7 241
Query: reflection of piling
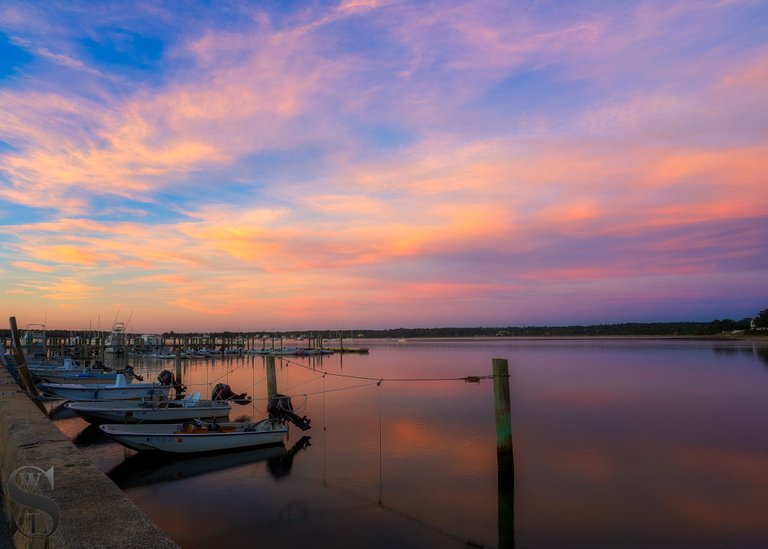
pixel 178 365
pixel 504 454
pixel 271 377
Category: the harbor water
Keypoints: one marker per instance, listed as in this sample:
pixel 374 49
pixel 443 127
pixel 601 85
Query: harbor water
pixel 617 443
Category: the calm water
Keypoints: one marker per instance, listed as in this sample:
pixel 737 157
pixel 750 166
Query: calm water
pixel 618 443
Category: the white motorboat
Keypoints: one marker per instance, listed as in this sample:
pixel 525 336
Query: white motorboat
pixel 120 390
pixel 71 372
pixel 197 436
pixel 84 376
pixel 151 411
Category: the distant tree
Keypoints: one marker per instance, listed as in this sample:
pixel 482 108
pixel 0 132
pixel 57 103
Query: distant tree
pixel 761 320
pixel 744 324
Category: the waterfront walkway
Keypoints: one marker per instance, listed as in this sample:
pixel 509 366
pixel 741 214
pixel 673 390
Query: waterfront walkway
pixel 29 438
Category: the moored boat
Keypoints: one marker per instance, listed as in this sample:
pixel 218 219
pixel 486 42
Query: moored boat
pixel 151 411
pixel 197 436
pixel 71 372
pixel 120 390
pixel 84 376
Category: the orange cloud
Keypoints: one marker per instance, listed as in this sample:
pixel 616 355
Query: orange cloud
pixel 34 267
pixel 68 289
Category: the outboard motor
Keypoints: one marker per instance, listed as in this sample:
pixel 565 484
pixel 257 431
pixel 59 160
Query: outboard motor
pixel 99 365
pixel 128 371
pixel 280 407
pixel 222 391
pixel 166 377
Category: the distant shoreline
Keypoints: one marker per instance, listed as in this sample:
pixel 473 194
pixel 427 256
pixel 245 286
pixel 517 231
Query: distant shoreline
pixel 716 330
pixel 721 337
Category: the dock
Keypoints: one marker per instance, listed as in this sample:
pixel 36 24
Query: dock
pixel 81 506
pixel 358 350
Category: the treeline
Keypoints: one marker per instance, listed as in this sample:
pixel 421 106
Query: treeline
pixel 626 329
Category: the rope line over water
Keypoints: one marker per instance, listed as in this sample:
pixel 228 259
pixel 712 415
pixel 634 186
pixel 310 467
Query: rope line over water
pixel 323 391
pixel 378 380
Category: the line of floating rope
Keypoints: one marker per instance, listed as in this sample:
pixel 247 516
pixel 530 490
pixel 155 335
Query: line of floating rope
pixel 466 379
pixel 325 391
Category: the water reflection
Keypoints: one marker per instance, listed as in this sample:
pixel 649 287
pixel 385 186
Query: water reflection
pixel 60 411
pixel 280 466
pixel 145 468
pixel 91 436
pixel 762 353
pixel 756 350
pixel 618 443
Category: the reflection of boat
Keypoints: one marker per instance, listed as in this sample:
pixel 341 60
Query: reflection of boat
pixel 190 407
pixel 90 436
pixel 120 390
pixel 197 436
pixel 143 468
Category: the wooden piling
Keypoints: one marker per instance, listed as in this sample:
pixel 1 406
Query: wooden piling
pixel 504 452
pixel 21 361
pixel 504 455
pixel 271 377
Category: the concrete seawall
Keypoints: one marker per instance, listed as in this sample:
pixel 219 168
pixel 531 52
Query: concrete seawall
pixel 92 510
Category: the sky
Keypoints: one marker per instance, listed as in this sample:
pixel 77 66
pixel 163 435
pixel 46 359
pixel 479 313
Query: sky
pixel 294 165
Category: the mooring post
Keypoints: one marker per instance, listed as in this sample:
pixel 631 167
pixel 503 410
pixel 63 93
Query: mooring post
pixel 504 454
pixel 271 377
pixel 21 362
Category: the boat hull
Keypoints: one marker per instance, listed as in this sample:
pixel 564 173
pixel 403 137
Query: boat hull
pixel 94 392
pixel 80 379
pixel 178 439
pixel 141 412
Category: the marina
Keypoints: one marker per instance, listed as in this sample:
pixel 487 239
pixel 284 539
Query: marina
pixel 402 449
pixel 377 274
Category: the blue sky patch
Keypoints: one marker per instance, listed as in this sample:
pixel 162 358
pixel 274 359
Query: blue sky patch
pixel 123 47
pixel 11 56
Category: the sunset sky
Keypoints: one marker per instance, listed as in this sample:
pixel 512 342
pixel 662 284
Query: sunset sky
pixel 289 165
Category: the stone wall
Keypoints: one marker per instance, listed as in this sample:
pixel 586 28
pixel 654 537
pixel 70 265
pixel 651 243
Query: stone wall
pixel 93 511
